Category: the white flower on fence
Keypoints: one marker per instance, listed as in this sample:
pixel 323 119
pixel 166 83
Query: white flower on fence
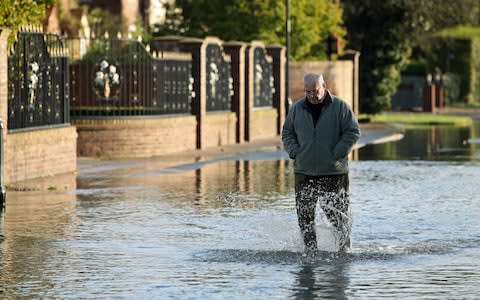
pixel 33 79
pixel 191 81
pixel 272 84
pixel 107 79
pixel 214 77
pixel 231 92
pixel 258 78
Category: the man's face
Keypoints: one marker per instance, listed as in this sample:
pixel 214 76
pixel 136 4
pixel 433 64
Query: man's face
pixel 314 92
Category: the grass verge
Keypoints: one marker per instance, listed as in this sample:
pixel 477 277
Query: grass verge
pixel 417 119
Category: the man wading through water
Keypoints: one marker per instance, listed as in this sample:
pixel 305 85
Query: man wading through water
pixel 319 132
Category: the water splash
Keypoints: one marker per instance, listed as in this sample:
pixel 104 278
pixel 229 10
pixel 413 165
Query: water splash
pixel 331 221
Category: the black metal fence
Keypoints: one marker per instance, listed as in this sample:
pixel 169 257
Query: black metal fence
pixel 38 85
pixel 116 77
pixel 263 85
pixel 219 80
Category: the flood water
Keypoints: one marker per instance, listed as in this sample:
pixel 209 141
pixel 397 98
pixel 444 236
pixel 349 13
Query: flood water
pixel 227 229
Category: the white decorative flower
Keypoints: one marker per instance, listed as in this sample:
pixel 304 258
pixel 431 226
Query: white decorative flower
pixel 99 78
pixel 115 78
pixel 103 65
pixel 32 82
pixel 214 77
pixel 35 67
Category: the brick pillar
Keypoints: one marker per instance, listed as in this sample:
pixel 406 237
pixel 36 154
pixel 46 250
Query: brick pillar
pixel 248 90
pixel 429 96
pixel 4 33
pixel 439 95
pixel 278 54
pixel 197 47
pixel 236 50
pixel 249 86
pixel 354 56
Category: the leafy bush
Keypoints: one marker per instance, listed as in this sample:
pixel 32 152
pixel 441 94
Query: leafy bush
pixel 451 82
pixel 17 13
pixel 457 53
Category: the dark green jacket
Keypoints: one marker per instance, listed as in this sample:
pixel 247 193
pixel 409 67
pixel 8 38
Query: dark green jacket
pixel 320 149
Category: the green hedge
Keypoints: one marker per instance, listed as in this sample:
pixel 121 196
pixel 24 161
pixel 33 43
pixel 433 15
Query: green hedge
pixel 457 54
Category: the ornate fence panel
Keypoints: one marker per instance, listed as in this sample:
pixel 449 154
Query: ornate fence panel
pixel 263 84
pixel 219 80
pixel 38 85
pixel 116 77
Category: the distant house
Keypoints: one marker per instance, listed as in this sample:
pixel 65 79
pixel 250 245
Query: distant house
pixel 149 11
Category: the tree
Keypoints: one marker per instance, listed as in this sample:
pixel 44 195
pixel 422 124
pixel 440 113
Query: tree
pixel 17 13
pixel 312 23
pixel 438 15
pixel 387 32
pixel 246 20
pixel 103 21
pixel 382 31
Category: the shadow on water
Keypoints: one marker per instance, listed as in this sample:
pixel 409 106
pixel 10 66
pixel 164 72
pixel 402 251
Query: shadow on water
pixel 327 275
pixel 285 257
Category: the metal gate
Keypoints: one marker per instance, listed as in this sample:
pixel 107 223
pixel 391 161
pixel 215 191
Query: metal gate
pixel 38 91
pixel 121 77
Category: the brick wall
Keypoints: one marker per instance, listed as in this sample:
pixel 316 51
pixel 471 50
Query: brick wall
pixel 219 129
pixel 337 74
pixel 40 153
pixel 263 123
pixel 135 137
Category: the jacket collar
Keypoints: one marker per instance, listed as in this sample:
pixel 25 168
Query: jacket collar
pixel 328 99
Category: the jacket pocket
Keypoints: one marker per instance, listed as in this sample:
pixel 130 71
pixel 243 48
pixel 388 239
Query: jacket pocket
pixel 341 165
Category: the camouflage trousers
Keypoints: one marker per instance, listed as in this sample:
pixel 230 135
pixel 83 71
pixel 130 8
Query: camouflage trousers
pixel 331 193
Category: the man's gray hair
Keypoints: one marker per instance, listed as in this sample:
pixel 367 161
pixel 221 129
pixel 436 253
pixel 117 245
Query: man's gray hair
pixel 312 78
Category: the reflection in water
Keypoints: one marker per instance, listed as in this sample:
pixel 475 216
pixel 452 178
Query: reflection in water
pixel 324 280
pixel 32 223
pixel 222 183
pixel 428 143
pixel 213 184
